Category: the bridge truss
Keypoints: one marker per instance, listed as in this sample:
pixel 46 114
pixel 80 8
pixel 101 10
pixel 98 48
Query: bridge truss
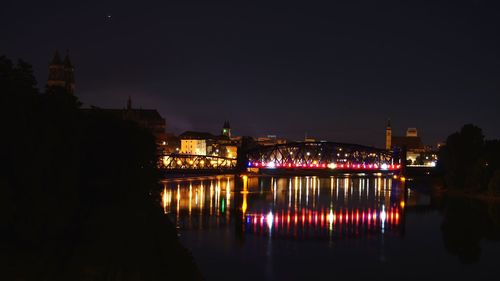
pixel 322 155
pixel 196 162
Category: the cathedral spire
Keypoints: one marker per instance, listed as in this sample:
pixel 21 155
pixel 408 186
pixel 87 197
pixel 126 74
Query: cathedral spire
pixel 56 72
pixel 129 103
pixel 56 60
pixel 67 61
pixel 61 73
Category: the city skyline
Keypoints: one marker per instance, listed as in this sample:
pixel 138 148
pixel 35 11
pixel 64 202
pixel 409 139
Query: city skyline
pixel 332 71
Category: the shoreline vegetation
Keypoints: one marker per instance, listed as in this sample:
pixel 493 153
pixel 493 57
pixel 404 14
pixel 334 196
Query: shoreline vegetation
pixel 77 192
pixel 470 165
pixel 481 196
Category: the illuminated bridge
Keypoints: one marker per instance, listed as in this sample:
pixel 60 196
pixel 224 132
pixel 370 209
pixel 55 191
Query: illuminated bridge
pixel 196 162
pixel 323 156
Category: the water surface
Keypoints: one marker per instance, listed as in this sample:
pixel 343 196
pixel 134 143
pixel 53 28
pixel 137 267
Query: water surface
pixel 300 228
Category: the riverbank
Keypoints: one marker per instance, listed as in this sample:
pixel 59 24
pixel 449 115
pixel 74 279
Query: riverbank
pixel 128 240
pixel 482 196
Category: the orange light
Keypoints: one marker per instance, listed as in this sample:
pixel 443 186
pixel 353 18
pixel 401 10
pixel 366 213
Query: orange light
pixel 402 204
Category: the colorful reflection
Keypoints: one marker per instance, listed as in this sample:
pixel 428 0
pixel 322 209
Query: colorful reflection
pixel 322 222
pixel 288 207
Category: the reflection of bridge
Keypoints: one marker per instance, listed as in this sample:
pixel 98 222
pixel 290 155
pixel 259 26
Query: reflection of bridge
pixel 289 207
pixel 319 156
pixel 323 155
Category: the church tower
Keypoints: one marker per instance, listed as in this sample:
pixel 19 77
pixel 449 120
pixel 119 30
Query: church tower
pixel 61 73
pixel 56 72
pixel 388 135
pixel 69 75
pixel 226 129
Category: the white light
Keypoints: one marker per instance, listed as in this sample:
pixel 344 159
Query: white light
pixel 433 164
pixel 271 165
pixel 332 165
pixel 269 220
pixel 330 217
pixel 383 214
pixel 383 167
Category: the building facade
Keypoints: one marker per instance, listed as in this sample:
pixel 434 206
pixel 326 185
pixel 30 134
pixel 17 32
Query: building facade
pixel 61 73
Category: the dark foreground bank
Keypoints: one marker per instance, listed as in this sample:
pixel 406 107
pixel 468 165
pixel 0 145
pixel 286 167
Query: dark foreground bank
pixel 77 192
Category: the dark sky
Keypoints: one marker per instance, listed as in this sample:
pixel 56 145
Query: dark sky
pixel 334 69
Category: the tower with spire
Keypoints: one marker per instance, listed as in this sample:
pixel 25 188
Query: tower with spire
pixel 226 129
pixel 388 135
pixel 61 73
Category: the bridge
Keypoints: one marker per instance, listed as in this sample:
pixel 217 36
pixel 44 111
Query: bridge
pixel 342 157
pixel 197 162
pixel 297 156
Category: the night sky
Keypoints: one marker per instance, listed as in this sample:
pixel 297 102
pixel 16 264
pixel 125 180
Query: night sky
pixel 335 70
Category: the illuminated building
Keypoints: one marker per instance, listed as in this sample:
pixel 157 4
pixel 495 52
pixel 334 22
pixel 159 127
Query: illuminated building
pixel 195 143
pixel 416 152
pixel 202 143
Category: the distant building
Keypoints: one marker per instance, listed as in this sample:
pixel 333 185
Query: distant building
pixel 269 140
pixel 388 135
pixel 416 151
pixel 195 143
pixel 61 73
pixel 147 118
pixel 202 143
pixel 410 142
pixel 226 129
pixel 171 144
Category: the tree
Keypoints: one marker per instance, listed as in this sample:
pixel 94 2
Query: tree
pixel 461 156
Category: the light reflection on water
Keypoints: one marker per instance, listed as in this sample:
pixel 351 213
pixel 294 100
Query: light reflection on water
pixel 306 228
pixel 288 207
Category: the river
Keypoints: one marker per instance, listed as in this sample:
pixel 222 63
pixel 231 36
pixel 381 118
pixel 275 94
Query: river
pixel 324 228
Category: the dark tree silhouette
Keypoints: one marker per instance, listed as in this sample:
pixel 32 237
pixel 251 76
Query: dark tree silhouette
pixel 75 191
